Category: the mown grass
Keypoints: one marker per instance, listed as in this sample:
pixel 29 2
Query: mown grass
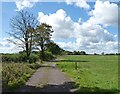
pixel 95 73
pixel 16 74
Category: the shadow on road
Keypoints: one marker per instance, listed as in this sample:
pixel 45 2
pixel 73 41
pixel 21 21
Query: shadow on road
pixel 68 61
pixel 65 87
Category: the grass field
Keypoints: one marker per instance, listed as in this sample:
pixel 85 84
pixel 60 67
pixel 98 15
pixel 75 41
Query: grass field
pixel 94 72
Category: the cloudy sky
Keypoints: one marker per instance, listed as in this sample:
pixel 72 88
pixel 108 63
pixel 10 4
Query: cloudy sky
pixel 80 25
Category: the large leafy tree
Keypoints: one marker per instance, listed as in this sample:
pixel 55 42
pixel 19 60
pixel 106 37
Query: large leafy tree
pixel 54 48
pixel 22 27
pixel 42 37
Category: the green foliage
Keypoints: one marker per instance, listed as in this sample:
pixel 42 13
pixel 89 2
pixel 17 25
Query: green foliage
pixel 79 53
pixel 15 75
pixel 34 65
pixel 10 58
pixel 33 58
pixel 42 36
pixel 21 57
pixel 75 53
pixel 48 56
pixel 93 73
pixel 54 48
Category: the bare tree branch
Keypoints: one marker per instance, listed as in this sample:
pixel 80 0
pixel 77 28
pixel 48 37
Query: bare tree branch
pixel 22 28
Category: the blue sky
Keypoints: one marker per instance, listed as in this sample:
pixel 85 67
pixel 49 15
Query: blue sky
pixel 8 11
pixel 95 32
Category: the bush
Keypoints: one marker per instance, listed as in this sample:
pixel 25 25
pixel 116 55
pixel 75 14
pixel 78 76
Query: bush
pixel 10 58
pixel 48 56
pixel 33 58
pixel 34 65
pixel 21 57
pixel 15 75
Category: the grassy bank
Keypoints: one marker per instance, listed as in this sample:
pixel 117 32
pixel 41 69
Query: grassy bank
pixel 94 73
pixel 16 74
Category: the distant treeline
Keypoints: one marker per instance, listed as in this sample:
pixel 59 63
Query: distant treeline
pixel 76 53
pixel 84 53
pixel 49 55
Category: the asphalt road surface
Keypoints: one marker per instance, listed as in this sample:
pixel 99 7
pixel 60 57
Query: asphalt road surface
pixel 48 78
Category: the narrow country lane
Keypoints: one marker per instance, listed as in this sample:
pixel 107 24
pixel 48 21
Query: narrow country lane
pixel 48 78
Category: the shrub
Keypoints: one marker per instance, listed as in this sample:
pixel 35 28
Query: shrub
pixel 34 65
pixel 48 55
pixel 21 57
pixel 33 58
pixel 15 75
pixel 10 58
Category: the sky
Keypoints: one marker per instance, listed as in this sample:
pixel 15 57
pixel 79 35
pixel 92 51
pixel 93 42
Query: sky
pixel 80 25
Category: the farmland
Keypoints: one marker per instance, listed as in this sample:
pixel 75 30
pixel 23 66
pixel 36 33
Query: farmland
pixel 94 72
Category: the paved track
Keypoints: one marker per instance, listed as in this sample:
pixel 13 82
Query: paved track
pixel 48 78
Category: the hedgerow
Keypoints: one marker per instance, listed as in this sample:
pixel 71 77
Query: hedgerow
pixel 15 75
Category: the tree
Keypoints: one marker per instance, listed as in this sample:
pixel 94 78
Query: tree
pixel 83 53
pixel 22 27
pixel 42 37
pixel 102 53
pixel 54 48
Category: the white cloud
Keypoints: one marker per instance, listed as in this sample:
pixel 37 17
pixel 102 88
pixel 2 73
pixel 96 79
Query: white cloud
pixel 67 45
pixel 104 13
pixel 79 3
pixel 8 47
pixel 22 4
pixel 94 39
pixel 61 23
pixel 88 37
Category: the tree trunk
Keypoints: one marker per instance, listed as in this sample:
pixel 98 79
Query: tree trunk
pixel 27 50
pixel 42 53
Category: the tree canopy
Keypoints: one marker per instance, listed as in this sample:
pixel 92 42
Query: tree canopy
pixel 22 27
pixel 42 37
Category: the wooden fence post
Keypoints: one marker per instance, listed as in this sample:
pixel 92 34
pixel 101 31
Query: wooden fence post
pixel 76 65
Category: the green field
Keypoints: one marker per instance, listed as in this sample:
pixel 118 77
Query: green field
pixel 95 73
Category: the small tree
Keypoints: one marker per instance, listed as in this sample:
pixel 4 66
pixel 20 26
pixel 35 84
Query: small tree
pixel 42 37
pixel 22 28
